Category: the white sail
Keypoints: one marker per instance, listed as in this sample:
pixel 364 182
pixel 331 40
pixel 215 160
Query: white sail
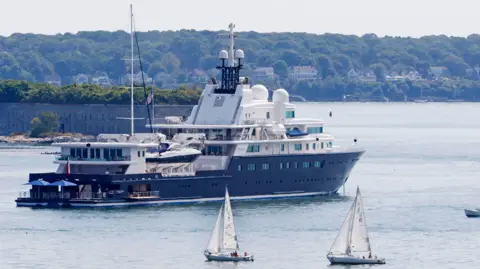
pixel 229 234
pixel 359 241
pixel 216 238
pixel 341 242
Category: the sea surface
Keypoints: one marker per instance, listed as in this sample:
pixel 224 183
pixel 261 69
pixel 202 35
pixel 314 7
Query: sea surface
pixel 421 169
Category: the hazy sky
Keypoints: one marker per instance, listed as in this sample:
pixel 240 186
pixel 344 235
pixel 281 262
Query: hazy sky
pixel 383 17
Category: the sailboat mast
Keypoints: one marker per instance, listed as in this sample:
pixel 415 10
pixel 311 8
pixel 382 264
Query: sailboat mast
pixel 131 69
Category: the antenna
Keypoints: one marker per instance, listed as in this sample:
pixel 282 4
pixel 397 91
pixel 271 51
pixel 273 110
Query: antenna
pixel 231 60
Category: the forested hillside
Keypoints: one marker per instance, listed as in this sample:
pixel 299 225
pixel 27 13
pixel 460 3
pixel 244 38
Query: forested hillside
pixel 33 57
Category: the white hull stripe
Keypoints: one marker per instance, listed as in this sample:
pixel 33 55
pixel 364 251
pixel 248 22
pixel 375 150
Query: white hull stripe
pixel 185 201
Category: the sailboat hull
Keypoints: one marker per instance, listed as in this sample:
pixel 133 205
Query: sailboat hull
pixel 344 259
pixel 227 257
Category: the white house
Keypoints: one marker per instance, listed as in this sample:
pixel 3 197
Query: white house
pixel 263 73
pixel 81 79
pixel 102 80
pixel 299 73
pixel 54 79
pixel 137 79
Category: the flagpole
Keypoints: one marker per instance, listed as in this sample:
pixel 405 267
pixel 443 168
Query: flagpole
pixel 153 104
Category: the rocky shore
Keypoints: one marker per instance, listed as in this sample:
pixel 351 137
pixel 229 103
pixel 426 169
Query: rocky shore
pixel 26 140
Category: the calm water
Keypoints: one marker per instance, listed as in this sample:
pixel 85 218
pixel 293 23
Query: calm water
pixel 420 171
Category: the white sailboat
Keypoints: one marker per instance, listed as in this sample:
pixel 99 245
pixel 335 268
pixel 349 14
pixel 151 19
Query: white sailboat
pixel 223 244
pixel 352 245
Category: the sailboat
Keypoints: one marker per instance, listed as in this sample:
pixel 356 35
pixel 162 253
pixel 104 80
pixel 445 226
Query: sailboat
pixel 352 245
pixel 223 244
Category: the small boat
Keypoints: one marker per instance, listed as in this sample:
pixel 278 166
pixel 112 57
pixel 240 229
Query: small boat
pixel 352 245
pixel 223 244
pixel 473 213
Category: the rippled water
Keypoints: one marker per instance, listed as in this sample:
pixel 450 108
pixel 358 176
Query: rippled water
pixel 420 171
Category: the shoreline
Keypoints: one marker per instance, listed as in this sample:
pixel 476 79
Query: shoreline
pixel 45 141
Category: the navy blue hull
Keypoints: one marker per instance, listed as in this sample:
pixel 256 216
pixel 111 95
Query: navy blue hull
pixel 279 176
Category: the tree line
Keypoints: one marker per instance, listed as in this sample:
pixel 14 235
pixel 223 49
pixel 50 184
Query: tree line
pixel 14 91
pixel 34 57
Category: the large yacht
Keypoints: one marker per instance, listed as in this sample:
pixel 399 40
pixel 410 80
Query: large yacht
pixel 256 146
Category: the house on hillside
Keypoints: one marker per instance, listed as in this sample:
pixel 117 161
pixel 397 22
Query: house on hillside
pixel 301 73
pixel 437 72
pixel 413 76
pixel 197 75
pixel 102 80
pixel 137 79
pixel 81 79
pixel 263 74
pixel 54 80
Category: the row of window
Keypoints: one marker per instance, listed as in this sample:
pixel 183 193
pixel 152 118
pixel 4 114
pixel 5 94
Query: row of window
pixel 95 153
pixel 296 147
pixel 315 130
pixel 266 166
pixel 258 182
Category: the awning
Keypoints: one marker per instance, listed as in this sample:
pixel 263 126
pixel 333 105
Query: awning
pixel 38 182
pixel 62 183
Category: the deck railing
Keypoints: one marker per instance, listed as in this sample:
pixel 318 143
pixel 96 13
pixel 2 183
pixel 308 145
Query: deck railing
pixel 67 195
pixel 144 194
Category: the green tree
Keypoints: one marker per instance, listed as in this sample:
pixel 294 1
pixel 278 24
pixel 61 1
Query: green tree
pixel 46 122
pixel 281 68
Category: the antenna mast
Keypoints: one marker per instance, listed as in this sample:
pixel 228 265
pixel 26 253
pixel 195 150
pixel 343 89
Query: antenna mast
pixel 131 69
pixel 231 55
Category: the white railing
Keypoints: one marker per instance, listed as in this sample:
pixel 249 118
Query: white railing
pixel 144 194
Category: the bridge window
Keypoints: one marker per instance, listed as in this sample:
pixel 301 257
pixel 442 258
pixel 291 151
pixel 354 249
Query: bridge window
pixel 72 152
pixel 268 115
pixel 289 114
pixel 314 146
pixel 298 147
pixel 322 145
pixel 315 130
pixel 253 148
pixel 306 146
pixel 282 147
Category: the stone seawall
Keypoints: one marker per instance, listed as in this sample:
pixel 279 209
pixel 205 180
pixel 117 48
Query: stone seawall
pixel 85 119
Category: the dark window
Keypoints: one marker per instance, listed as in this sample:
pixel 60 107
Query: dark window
pixel 72 152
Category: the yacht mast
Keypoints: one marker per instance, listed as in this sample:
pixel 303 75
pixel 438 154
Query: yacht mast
pixel 231 60
pixel 131 69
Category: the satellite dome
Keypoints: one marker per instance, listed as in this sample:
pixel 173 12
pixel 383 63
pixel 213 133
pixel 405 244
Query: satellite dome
pixel 280 96
pixel 260 92
pixel 239 54
pixel 223 54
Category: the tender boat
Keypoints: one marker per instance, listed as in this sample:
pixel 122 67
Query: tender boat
pixel 352 245
pixel 473 213
pixel 223 244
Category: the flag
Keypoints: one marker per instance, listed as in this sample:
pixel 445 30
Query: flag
pixel 68 167
pixel 150 97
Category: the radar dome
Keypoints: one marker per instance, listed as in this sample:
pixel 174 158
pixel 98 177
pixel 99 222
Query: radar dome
pixel 223 54
pixel 260 92
pixel 239 54
pixel 280 96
